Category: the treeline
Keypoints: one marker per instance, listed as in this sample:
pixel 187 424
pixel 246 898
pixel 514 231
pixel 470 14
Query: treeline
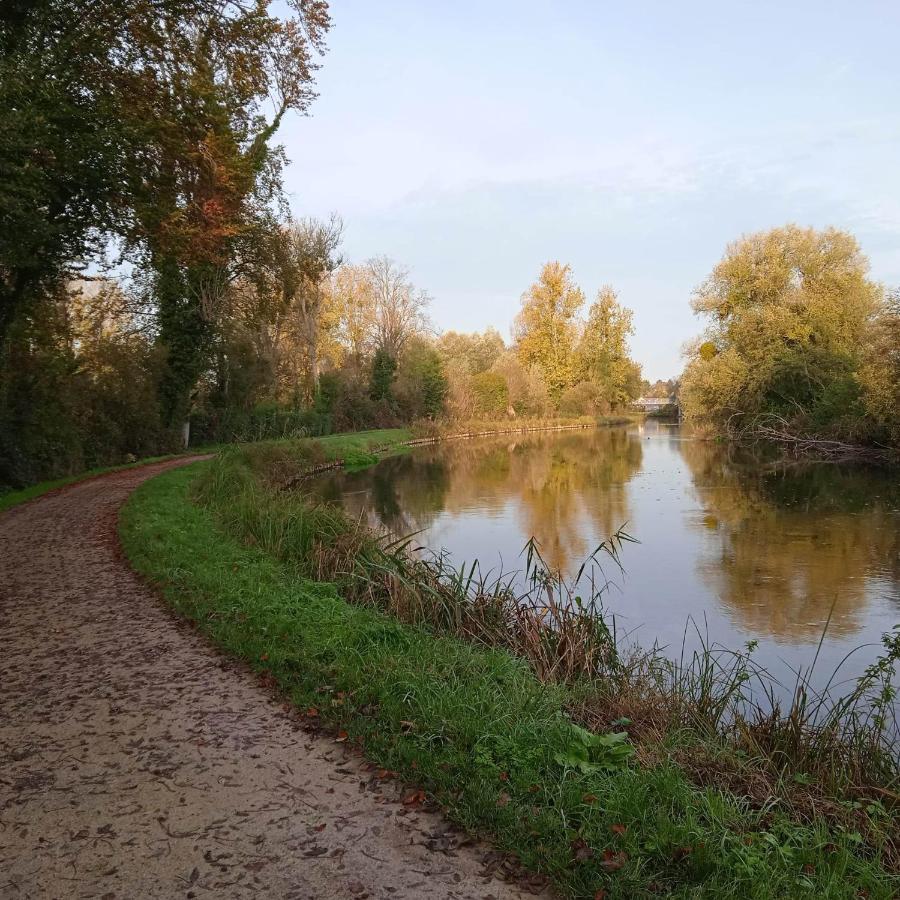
pixel 139 134
pixel 801 346
pixel 153 284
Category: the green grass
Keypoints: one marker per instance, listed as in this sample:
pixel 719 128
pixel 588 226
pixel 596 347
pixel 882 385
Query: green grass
pixel 477 730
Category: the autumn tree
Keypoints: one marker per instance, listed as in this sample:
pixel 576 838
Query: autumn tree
pixel 200 87
pixel 151 121
pixel 306 258
pixel 789 311
pixel 602 356
pixel 351 296
pixel 879 373
pixel 545 329
pixel 659 388
pixel 475 352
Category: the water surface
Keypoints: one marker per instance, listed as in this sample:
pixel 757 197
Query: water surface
pixel 744 549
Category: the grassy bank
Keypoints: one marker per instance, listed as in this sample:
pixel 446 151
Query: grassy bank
pixel 411 675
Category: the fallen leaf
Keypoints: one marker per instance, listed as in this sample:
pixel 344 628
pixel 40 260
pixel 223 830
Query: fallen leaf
pixel 612 861
pixel 580 850
pixel 414 798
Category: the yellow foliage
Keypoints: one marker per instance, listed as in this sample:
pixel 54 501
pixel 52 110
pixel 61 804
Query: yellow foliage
pixel 545 329
pixel 790 313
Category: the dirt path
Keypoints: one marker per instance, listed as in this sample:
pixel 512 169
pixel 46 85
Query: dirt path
pixel 137 762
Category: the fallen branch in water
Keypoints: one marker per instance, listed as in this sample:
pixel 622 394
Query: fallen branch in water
pixel 808 445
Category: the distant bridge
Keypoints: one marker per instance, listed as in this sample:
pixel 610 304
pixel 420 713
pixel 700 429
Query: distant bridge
pixel 656 404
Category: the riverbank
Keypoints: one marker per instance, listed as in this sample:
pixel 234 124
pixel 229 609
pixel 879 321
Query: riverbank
pixel 350 444
pixel 605 809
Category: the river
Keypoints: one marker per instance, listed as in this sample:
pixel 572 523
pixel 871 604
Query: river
pixel 731 545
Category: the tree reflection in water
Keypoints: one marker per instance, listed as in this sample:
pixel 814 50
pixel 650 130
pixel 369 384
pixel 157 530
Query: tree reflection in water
pixel 762 551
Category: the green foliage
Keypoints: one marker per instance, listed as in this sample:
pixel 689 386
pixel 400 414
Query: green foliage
pixel 421 383
pixel 62 411
pixel 491 394
pixel 381 383
pixel 63 144
pixel 589 752
pixel 793 323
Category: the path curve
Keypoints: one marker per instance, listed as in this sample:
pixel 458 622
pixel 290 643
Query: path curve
pixel 135 761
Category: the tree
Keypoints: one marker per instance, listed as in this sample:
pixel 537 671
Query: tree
pixel 400 307
pixel 545 328
pixel 476 352
pixel 306 257
pixel 879 373
pixel 351 296
pixel 63 144
pixel 602 356
pixel 526 389
pixel 421 383
pixel 381 385
pixel 789 310
pixel 197 90
pixel 659 388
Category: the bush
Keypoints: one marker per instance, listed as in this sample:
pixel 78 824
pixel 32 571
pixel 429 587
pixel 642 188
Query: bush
pixel 584 399
pixel 491 394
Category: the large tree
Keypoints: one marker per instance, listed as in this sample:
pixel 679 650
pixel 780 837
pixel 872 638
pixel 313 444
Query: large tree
pixel 400 307
pixel 603 356
pixel 307 257
pixel 789 313
pixel 64 142
pixel 202 83
pixel 545 329
pixel 151 120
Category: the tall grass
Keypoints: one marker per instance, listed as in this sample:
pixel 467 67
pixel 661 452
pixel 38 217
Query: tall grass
pixel 715 710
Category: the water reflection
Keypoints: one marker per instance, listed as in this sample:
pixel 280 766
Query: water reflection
pixel 749 550
pixel 562 488
pixel 784 545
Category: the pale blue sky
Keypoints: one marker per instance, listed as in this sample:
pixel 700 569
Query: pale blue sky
pixel 475 141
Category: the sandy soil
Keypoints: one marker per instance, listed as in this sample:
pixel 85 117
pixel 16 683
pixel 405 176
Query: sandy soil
pixel 135 761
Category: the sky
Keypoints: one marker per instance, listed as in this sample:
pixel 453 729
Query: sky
pixel 475 141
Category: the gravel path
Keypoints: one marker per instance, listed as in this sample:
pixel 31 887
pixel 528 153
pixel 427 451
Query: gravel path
pixel 135 761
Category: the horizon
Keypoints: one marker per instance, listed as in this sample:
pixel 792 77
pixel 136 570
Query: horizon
pixel 636 151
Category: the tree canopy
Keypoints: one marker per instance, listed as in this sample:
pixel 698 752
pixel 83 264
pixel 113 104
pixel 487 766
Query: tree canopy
pixel 791 313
